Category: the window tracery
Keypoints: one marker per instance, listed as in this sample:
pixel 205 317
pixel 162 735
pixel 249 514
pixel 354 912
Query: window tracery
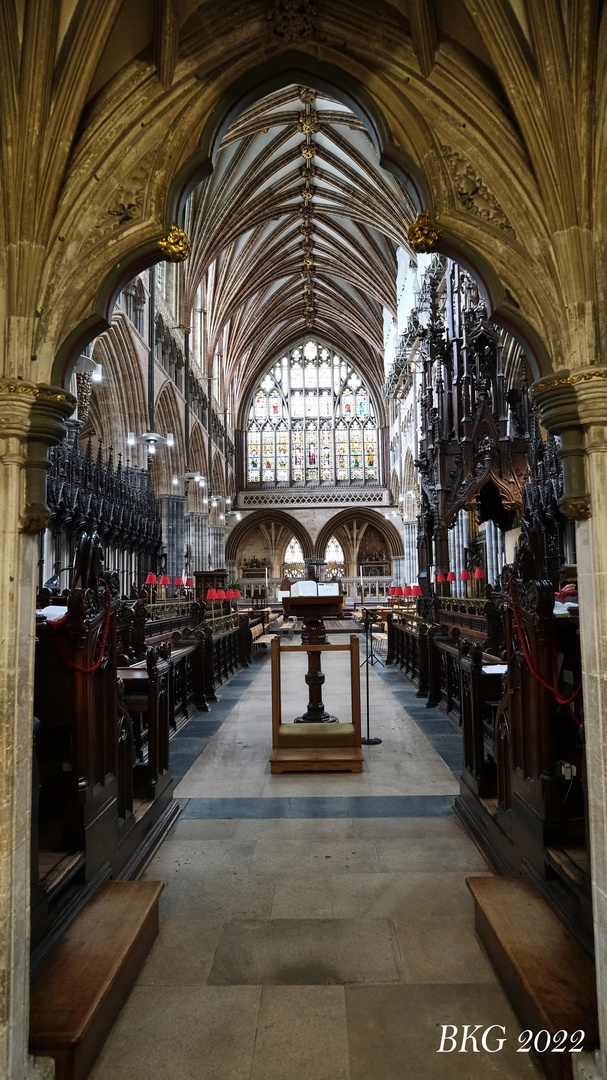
pixel 312 420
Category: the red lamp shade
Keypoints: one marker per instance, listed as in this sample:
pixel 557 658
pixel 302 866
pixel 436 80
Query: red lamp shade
pixel 392 590
pixel 440 577
pixel 465 575
pixel 479 574
pixel 416 590
pixel 151 579
pixel 178 581
pixel 451 576
pixel 230 594
pixel 407 591
pixel 237 594
pixel 165 580
pixel 398 590
pixel 189 583
pixel 221 594
pixel 211 594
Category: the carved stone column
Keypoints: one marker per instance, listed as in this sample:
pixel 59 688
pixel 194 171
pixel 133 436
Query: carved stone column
pixel 172 508
pixel 574 406
pixel 197 539
pixel 31 420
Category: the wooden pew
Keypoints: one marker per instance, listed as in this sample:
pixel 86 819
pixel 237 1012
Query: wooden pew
pixel 88 826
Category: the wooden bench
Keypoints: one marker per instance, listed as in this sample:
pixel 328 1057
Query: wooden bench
pixel 548 978
pixel 78 992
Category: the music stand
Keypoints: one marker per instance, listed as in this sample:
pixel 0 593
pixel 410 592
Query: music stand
pixel 369 660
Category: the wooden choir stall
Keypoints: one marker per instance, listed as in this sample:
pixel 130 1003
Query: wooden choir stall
pixel 115 680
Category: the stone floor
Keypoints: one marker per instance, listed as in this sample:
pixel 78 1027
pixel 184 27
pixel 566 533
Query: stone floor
pixel 314 926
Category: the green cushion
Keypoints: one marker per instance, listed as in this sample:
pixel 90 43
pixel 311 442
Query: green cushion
pixel 311 735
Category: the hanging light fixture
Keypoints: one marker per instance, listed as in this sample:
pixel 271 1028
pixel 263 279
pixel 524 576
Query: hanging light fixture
pixel 151 439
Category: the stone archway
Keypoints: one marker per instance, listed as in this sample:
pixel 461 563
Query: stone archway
pixel 348 527
pixel 76 238
pixel 285 527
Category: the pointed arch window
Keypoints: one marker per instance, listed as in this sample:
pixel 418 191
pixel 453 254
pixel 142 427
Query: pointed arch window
pixel 312 420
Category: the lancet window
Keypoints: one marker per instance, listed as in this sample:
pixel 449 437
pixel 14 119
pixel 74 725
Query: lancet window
pixel 312 420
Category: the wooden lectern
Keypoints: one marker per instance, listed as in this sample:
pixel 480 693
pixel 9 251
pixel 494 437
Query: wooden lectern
pixel 311 610
pixel 312 746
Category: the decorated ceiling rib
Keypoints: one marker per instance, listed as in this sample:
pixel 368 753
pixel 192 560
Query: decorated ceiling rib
pixel 297 229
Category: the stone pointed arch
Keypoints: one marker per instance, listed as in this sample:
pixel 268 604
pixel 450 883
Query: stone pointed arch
pixel 168 461
pixel 363 517
pixel 118 402
pixel 469 239
pixel 262 518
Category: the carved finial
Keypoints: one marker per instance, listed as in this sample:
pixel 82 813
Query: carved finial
pixel 175 246
pixel 423 236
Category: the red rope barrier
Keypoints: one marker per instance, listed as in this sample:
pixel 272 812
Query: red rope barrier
pixel 104 636
pixel 553 688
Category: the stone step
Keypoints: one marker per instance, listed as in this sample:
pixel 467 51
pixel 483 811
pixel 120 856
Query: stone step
pixel 548 978
pixel 78 992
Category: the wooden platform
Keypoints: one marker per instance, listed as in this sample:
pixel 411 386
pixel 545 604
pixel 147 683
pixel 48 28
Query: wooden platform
pixel 79 991
pixel 317 759
pixel 548 978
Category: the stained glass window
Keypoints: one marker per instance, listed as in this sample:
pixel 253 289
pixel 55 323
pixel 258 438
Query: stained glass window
pixel 311 452
pixel 341 451
pixel 347 403
pixel 254 455
pixel 268 454
pixel 370 453
pixel 312 420
pixel 356 453
pixel 282 453
pixel 362 404
pixel 261 405
pixel 297 452
pixel 275 405
pixel 310 374
pixel 326 452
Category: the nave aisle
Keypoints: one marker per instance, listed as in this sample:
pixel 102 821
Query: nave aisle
pixel 314 927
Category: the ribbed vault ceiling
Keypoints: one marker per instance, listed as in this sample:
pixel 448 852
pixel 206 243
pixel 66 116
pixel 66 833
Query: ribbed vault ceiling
pixel 296 229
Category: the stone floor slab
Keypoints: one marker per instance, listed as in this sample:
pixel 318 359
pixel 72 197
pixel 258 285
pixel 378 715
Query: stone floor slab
pixel 304 952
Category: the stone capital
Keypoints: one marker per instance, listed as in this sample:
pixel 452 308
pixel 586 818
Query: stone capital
pixel 31 420
pixel 557 400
